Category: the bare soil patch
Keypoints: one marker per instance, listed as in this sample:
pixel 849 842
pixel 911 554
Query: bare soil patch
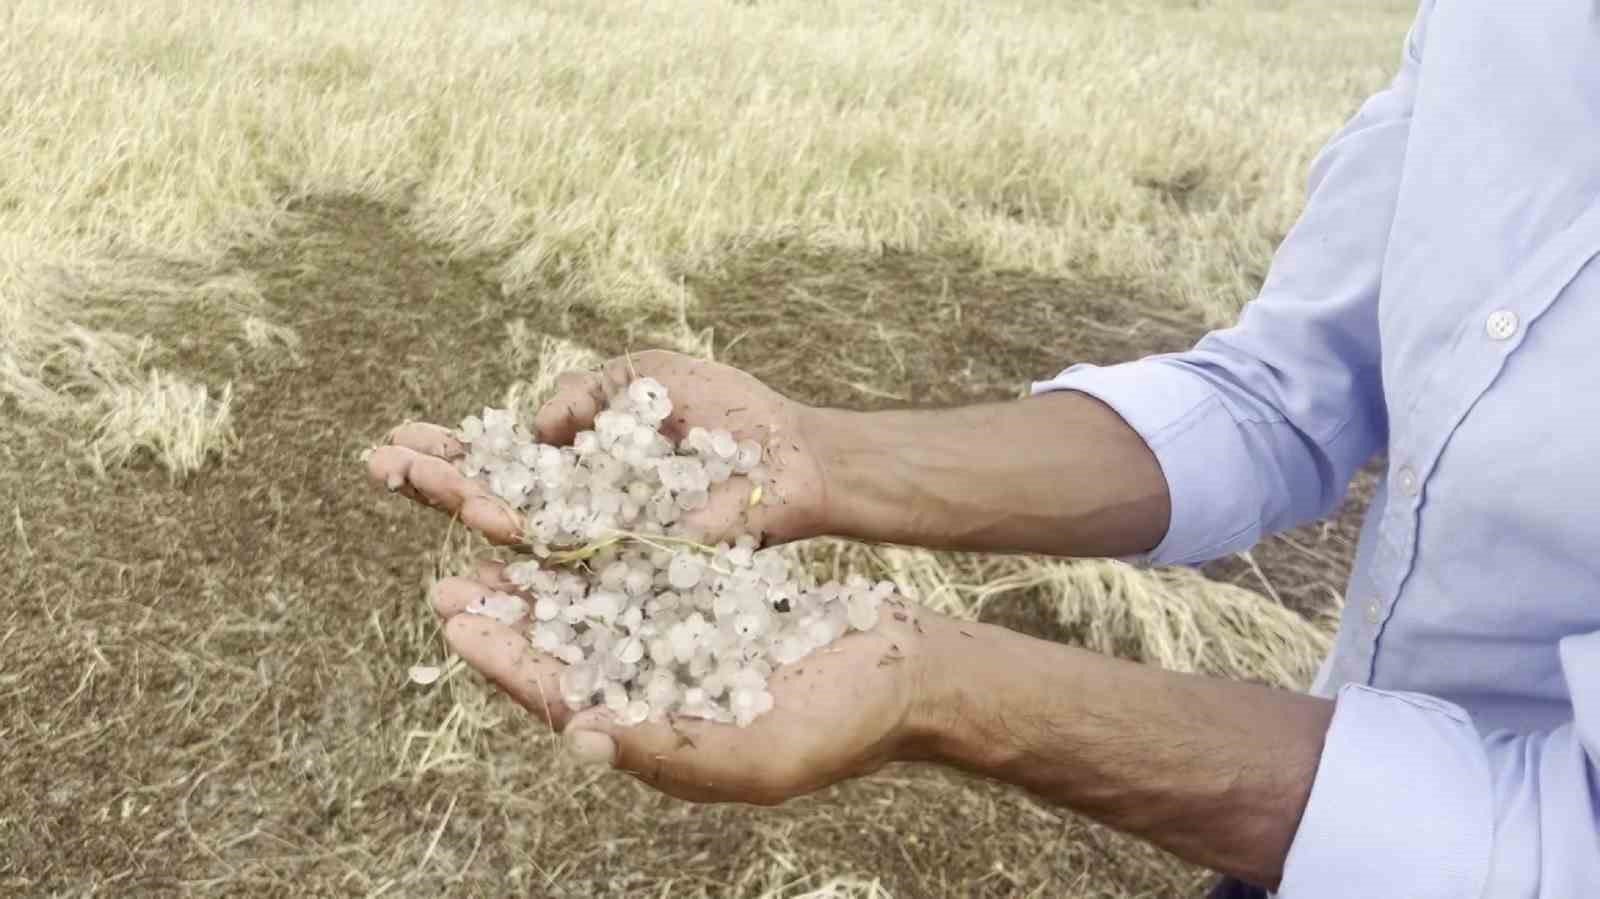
pixel 894 329
pixel 202 687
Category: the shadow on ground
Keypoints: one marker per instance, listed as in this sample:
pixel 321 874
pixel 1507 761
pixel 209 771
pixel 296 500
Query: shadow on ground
pixel 202 686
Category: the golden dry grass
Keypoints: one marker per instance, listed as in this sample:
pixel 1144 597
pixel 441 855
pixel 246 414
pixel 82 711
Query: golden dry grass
pixel 1160 142
pixel 238 241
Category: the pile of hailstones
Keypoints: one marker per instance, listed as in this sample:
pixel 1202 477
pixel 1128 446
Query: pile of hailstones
pixel 649 622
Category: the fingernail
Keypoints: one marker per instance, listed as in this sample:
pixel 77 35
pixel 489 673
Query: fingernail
pixel 590 747
pixel 394 480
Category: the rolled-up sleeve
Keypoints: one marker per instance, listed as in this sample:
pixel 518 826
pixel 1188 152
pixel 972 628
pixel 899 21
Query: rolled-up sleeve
pixel 1261 426
pixel 1410 799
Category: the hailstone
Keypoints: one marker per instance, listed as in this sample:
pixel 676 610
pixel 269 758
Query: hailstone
pixel 646 622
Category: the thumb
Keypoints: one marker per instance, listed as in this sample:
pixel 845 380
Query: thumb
pixel 590 740
pixel 667 756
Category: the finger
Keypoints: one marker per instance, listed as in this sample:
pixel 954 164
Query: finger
pixel 388 465
pixel 493 574
pixel 454 595
pixel 443 486
pixel 503 656
pixel 428 439
pixel 579 397
pixel 653 751
pixel 437 484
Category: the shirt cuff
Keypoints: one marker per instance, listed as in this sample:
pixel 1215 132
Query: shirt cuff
pixel 1207 464
pixel 1402 803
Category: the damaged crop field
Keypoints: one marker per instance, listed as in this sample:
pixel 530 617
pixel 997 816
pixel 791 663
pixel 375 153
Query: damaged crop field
pixel 240 242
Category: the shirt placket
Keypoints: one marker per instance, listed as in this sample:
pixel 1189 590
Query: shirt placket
pixel 1482 346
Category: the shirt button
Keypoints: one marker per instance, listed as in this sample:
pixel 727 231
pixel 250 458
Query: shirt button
pixel 1407 480
pixel 1374 612
pixel 1501 324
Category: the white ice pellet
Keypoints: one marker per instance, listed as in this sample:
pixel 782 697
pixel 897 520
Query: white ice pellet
pixel 747 457
pixel 637 582
pixel 698 440
pixel 789 649
pixel 605 605
pixel 612 575
pixel 578 682
pixel 424 674
pixel 723 446
pixel 682 641
pixel 546 608
pixel 502 607
pixel 631 618
pixel 616 696
pixel 863 613
pixel 635 712
pixel 547 638
pixel 662 690
pixel 646 623
pixel 750 626
pixel 642 392
pixel 630 650
pixel 684 571
pixel 714 684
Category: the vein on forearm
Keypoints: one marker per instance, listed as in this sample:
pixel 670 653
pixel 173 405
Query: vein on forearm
pixel 1060 474
pixel 1216 772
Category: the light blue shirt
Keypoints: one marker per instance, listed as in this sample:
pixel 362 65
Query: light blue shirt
pixel 1438 298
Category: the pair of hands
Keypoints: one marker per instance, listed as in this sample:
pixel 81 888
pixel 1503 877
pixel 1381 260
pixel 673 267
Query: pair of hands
pixel 841 712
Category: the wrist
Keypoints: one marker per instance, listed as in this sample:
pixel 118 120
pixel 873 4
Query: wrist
pixel 829 434
pixel 957 685
pixel 989 699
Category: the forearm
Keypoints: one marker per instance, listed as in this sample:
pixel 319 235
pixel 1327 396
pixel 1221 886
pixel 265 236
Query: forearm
pixel 1059 474
pixel 1216 772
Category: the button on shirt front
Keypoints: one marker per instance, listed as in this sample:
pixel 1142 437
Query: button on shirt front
pixel 1502 324
pixel 1408 483
pixel 1439 299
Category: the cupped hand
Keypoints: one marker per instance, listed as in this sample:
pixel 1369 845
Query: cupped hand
pixel 842 712
pixel 420 459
